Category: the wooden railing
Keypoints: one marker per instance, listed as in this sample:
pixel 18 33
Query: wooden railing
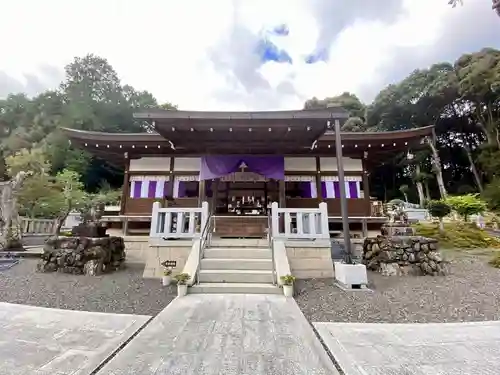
pixel 36 227
pixel 300 223
pixel 178 222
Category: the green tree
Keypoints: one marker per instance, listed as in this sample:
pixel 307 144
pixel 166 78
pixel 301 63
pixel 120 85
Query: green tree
pixel 467 205
pixel 439 209
pixel 348 101
pixel 404 189
pixel 492 194
pixel 32 161
pixel 70 195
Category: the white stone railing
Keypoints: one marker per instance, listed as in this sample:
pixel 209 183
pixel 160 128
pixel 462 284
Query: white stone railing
pixel 178 222
pixel 300 223
pixel 30 227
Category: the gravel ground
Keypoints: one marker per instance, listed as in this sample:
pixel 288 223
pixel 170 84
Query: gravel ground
pixel 124 292
pixel 471 292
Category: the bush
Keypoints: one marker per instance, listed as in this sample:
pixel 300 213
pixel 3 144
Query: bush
pixel 458 236
pixel 466 205
pixel 492 194
pixel 439 209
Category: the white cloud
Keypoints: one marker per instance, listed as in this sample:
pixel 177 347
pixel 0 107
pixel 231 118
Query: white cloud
pixel 202 54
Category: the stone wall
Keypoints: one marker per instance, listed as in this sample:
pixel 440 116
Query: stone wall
pixel 136 248
pixel 82 255
pixel 402 255
pixel 310 259
pixel 161 250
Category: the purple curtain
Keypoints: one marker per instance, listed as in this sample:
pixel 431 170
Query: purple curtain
pixel 336 189
pixel 152 189
pixel 305 189
pixel 219 166
pixel 353 189
pixel 323 190
pixel 137 189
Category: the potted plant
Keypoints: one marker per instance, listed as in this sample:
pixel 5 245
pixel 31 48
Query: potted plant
pixel 167 276
pixel 182 280
pixel 287 281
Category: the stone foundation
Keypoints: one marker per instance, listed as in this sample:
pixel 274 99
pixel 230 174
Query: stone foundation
pixel 403 255
pixel 310 259
pixel 82 255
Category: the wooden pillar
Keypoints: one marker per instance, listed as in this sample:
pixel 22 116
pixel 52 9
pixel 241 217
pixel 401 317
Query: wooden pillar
pixel 282 193
pixel 319 187
pixel 126 185
pixel 366 186
pixel 215 192
pixel 201 192
pixel 170 186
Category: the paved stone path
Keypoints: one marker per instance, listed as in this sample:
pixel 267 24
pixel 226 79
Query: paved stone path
pixel 42 341
pixel 414 349
pixel 223 335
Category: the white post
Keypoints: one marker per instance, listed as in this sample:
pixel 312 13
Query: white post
pixel 275 219
pixel 154 220
pixel 204 216
pixel 323 209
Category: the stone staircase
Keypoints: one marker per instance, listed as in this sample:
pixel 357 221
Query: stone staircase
pixel 241 266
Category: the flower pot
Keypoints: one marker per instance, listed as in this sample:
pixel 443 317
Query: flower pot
pixel 182 290
pixel 288 290
pixel 166 280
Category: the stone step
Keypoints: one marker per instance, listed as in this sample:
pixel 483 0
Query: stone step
pixel 235 276
pixel 236 264
pixel 236 253
pixel 240 242
pixel 234 288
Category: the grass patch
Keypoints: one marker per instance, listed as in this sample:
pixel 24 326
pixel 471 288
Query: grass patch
pixel 459 235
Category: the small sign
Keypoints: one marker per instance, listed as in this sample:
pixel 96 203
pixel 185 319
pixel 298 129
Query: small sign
pixel 169 263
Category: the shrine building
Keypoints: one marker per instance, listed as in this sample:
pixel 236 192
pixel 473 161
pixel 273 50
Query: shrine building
pixel 240 162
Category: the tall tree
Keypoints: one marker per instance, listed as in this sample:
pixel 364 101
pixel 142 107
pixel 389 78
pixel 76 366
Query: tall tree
pixel 348 101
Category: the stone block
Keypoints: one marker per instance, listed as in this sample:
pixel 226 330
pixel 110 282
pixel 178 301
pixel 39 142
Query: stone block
pixel 351 274
pixel 158 254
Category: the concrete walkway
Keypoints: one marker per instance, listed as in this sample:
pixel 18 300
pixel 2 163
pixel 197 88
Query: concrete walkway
pixel 414 349
pixel 223 335
pixel 42 341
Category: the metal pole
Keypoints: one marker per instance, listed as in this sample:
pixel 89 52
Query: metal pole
pixel 343 199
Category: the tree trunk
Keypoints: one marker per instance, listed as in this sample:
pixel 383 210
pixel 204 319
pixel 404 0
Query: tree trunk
pixel 441 225
pixel 436 166
pixel 11 236
pixel 420 188
pixel 473 167
pixel 60 221
pixel 427 190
